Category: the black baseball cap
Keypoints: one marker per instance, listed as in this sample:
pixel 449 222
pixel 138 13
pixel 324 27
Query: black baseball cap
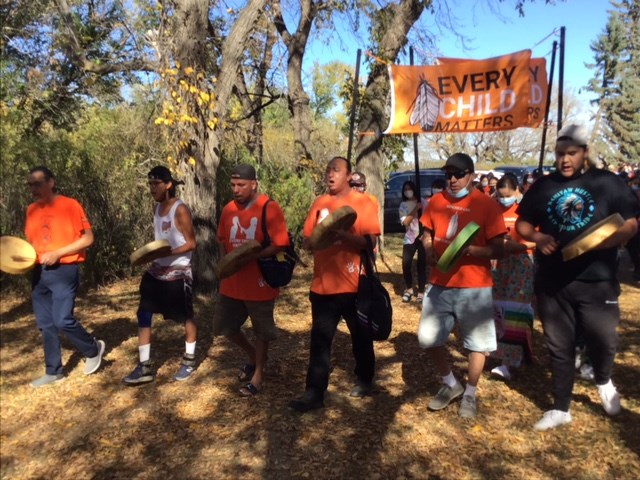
pixel 243 172
pixel 459 161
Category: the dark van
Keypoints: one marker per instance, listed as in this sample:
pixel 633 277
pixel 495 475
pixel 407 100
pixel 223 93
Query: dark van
pixel 393 194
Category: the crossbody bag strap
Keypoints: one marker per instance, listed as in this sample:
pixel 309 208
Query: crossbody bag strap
pixel 366 257
pixel 266 240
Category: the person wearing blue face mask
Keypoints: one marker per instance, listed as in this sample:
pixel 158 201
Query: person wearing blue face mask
pixel 462 295
pixel 512 287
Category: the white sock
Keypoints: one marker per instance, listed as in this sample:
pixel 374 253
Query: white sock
pixel 450 380
pixel 145 352
pixel 190 348
pixel 470 390
pixel 607 387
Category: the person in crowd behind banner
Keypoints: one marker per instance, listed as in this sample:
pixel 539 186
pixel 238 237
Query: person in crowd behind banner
pixel 527 181
pixel 358 183
pixel 245 293
pixel 409 211
pixel 493 182
pixel 579 295
pixel 484 183
pixel 513 287
pixel 58 229
pixel 335 284
pixel 462 295
pixel 166 287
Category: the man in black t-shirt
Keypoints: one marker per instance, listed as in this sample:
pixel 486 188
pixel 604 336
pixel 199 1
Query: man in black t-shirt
pixel 580 294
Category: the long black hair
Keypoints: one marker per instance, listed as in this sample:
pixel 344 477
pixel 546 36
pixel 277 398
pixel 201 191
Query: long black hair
pixel 416 196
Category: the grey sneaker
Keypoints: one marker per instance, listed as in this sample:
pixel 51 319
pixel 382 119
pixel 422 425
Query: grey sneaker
pixel 47 379
pixel 91 364
pixel 141 374
pixel 468 408
pixel 445 396
pixel 187 367
pixel 361 389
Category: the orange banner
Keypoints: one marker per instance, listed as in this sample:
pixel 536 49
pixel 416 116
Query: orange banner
pixel 465 96
pixel 537 81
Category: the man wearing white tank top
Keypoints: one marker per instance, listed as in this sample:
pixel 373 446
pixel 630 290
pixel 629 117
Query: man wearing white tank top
pixel 167 285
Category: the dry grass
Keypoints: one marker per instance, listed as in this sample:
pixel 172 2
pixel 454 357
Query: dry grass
pixel 94 427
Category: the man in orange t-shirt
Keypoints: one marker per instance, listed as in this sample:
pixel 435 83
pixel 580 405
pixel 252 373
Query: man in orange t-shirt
pixel 335 284
pixel 58 229
pixel 246 293
pixel 462 295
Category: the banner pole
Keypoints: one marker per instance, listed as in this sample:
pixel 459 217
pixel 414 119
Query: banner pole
pixel 547 106
pixel 354 102
pixel 416 159
pixel 561 77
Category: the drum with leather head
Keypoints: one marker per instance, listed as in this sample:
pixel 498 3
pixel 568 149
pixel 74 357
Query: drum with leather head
pixel 592 237
pixel 232 261
pixel 341 219
pixel 150 252
pixel 17 256
pixel 456 248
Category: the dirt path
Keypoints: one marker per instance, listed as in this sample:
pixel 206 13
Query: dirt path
pixel 96 428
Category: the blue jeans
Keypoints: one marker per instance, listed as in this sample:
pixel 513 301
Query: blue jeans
pixel 326 311
pixel 53 296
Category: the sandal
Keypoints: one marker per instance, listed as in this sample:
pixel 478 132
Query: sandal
pixel 406 296
pixel 249 390
pixel 246 372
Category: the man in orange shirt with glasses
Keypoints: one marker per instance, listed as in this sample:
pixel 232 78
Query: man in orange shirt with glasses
pixel 58 229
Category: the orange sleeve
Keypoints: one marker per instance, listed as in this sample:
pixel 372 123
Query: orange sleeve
pixel 276 225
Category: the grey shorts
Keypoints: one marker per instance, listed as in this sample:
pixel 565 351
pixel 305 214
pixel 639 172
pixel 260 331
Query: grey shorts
pixel 471 308
pixel 230 315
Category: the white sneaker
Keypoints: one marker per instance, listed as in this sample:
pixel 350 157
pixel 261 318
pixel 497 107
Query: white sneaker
pixel 553 419
pixel 610 398
pixel 502 371
pixel 586 372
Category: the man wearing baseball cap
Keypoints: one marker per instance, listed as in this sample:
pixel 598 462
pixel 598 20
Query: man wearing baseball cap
pixel 579 295
pixel 463 294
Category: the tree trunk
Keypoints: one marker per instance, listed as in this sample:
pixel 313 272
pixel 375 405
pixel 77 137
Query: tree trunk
pixel 391 25
pixel 191 21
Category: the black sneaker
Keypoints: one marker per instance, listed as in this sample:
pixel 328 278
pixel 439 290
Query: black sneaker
pixel 141 374
pixel 309 401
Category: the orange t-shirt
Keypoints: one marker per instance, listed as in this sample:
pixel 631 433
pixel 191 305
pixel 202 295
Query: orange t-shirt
pixel 445 217
pixel 239 224
pixel 336 269
pixel 510 216
pixel 55 225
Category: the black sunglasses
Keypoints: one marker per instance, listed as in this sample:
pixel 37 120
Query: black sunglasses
pixel 458 174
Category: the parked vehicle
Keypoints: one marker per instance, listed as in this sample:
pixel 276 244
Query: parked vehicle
pixel 393 193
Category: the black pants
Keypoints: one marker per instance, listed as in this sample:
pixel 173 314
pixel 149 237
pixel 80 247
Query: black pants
pixel 326 311
pixel 590 308
pixel 408 251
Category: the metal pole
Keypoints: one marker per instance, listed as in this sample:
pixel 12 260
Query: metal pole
pixel 354 103
pixel 547 106
pixel 416 159
pixel 561 77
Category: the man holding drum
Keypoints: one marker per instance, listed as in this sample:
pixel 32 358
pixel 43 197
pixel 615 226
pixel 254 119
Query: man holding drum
pixel 579 295
pixel 166 286
pixel 335 283
pixel 59 231
pixel 463 293
pixel 245 293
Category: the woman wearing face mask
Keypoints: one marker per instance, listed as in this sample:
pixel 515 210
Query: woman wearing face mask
pixel 513 287
pixel 409 212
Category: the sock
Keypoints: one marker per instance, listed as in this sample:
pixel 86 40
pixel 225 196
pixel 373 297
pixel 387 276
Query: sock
pixel 145 352
pixel 470 390
pixel 607 387
pixel 449 380
pixel 190 348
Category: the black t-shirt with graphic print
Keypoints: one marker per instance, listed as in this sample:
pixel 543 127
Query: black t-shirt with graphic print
pixel 566 207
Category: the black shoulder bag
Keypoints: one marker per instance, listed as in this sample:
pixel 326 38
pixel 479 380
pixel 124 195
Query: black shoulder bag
pixel 277 270
pixel 373 302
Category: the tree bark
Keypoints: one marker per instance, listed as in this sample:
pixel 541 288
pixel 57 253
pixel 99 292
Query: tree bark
pixel 391 25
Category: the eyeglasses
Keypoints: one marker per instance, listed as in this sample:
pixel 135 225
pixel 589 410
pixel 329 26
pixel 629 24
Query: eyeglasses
pixel 458 174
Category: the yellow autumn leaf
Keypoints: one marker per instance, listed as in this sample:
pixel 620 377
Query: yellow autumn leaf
pixel 204 96
pixel 192 161
pixel 188 70
pixel 159 121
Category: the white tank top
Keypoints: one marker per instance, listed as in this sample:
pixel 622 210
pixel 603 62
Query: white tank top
pixel 165 229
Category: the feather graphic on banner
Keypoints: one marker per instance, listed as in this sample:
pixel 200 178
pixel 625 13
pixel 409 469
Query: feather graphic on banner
pixel 452 229
pixel 426 106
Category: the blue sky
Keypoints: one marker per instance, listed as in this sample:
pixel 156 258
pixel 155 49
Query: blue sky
pixel 499 31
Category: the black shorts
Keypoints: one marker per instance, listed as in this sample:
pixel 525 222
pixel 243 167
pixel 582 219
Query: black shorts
pixel 173 299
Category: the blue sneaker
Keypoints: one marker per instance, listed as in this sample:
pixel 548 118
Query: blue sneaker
pixel 141 374
pixel 187 367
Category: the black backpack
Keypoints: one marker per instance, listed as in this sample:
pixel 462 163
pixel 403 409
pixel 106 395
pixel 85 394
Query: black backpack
pixel 277 270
